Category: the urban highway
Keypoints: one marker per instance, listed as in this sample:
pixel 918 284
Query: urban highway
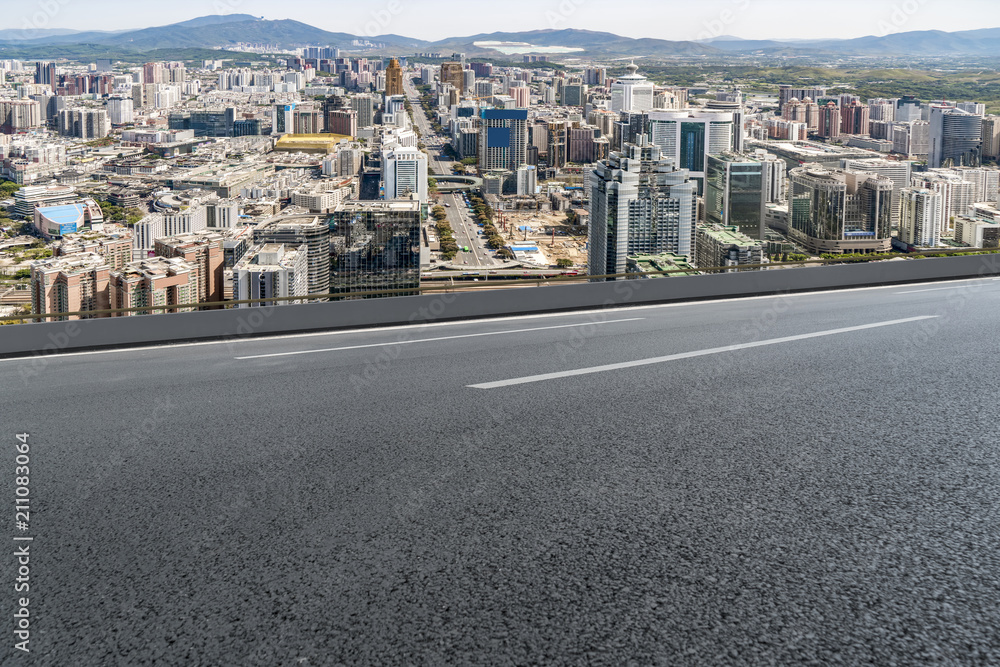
pixel 437 161
pixel 808 479
pixel 467 234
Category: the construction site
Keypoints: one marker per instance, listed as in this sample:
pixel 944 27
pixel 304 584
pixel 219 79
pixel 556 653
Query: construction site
pixel 550 232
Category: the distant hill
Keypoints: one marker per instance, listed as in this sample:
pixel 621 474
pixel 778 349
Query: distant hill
pixel 923 42
pixel 31 33
pixel 222 31
pixel 215 31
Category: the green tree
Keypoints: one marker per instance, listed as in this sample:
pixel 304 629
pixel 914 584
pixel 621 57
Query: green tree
pixel 564 263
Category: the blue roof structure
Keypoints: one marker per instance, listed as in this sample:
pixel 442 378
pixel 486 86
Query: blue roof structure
pixel 62 215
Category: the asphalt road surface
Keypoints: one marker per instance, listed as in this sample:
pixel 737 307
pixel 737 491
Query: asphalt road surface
pixel 438 162
pixel 466 235
pixel 811 479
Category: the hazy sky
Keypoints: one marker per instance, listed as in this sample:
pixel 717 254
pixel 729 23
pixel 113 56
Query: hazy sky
pixel 436 19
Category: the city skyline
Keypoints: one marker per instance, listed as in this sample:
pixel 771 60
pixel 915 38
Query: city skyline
pixel 441 19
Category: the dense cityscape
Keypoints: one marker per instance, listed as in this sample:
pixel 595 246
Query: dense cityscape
pixel 541 345
pixel 315 172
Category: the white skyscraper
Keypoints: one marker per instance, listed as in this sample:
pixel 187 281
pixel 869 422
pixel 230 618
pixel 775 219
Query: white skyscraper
pixel 639 204
pixel 920 222
pixel 272 270
pixel 688 136
pixel 120 110
pixel 631 92
pixel 404 171
pixel 527 179
pixel 956 137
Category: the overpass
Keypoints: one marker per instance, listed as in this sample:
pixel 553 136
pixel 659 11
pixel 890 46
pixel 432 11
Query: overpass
pixel 448 184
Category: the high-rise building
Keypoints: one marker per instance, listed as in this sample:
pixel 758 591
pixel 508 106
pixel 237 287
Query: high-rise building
pixel 203 250
pixel 911 139
pixel 393 79
pixel 527 180
pixel 521 95
pixel 342 121
pixel 688 137
pixel 120 110
pixel 375 247
pixel 297 231
pixel 956 138
pixel 153 73
pixel 786 93
pixel 574 95
pixel 482 70
pixel 45 74
pixel 484 90
pixel 957 193
pixel 838 211
pixel 84 123
pixel 19 115
pixel 69 284
pixel 830 121
pixel 907 109
pixel 404 172
pixel 920 220
pixel 898 171
pixel 631 92
pixel 595 76
pixel 985 179
pixel 854 118
pixel 451 72
pixel 882 109
pixel 557 133
pixel 583 144
pixel 629 129
pixel 775 172
pixel 156 281
pixel 115 248
pixel 794 110
pixel 640 204
pixel 975 108
pixel 159 225
pixel 364 106
pixel 735 193
pixel 271 271
pixel 503 139
pixel 991 137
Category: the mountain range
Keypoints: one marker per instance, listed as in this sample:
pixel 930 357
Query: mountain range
pixel 224 31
